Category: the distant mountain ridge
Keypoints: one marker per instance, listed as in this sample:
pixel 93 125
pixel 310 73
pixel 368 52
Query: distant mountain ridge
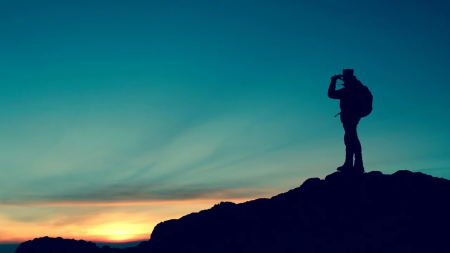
pixel 370 212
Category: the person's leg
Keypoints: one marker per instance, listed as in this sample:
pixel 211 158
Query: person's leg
pixel 358 152
pixel 349 145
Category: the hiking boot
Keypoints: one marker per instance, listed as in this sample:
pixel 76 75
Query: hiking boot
pixel 359 168
pixel 347 167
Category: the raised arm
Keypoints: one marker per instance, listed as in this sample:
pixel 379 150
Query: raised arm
pixel 332 92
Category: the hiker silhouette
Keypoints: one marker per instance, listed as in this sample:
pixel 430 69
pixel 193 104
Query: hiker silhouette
pixel 352 103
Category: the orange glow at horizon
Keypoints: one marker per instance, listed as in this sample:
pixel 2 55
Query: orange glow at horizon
pixel 97 223
pixel 119 231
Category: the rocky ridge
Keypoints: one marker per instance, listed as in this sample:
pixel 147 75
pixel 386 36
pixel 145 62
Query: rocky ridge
pixel 345 212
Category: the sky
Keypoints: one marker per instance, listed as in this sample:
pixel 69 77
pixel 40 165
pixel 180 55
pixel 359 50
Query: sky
pixel 115 117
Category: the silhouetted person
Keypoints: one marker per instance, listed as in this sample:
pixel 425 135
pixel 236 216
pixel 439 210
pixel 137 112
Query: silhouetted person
pixel 350 117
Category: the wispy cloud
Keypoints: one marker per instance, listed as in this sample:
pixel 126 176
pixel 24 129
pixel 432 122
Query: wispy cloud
pixel 122 195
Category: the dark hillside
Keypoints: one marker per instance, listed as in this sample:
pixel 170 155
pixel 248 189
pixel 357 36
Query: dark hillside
pixel 370 212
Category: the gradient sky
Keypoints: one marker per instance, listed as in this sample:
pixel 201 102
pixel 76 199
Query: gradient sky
pixel 114 117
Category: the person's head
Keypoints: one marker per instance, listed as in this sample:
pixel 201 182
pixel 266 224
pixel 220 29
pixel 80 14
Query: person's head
pixel 347 74
pixel 348 77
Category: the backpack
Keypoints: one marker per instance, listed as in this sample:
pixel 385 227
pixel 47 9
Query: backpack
pixel 365 100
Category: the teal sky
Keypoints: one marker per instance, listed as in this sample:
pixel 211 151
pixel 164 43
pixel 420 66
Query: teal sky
pixel 189 100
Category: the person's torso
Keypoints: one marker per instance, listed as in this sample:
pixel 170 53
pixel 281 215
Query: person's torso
pixel 349 102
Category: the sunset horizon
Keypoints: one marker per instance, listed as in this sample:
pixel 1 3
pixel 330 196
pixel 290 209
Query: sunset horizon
pixel 110 230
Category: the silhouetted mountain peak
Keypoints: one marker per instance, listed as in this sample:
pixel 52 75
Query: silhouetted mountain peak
pixel 47 244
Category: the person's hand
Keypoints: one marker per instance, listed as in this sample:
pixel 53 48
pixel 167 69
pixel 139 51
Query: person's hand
pixel 334 78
